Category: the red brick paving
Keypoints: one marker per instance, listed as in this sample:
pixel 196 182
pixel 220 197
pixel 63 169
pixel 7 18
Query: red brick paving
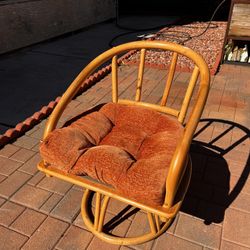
pixel 30 196
pixel 2 200
pixel 28 222
pixel 2 177
pixel 8 166
pixel 75 238
pixel 198 232
pixel 68 208
pixel 49 205
pixel 12 184
pixel 51 231
pixel 26 142
pixel 55 185
pixel 36 178
pixel 9 212
pixel 172 242
pixel 226 245
pixel 215 214
pixel 8 150
pixel 28 166
pixel 22 155
pixel 10 239
pixel 237 226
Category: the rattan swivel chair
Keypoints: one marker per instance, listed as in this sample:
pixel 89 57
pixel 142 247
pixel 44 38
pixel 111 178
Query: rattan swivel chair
pixel 129 150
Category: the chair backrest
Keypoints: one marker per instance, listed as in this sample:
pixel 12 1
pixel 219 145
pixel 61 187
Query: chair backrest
pixel 200 70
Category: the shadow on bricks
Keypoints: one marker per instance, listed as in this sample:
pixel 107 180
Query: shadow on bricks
pixel 211 189
pixel 126 212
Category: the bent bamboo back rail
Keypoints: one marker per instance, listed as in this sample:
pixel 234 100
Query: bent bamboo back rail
pixel 180 167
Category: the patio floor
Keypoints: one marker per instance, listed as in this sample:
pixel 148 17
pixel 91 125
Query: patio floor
pixel 37 212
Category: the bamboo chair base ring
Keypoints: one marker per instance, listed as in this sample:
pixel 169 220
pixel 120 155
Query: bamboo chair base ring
pixel 116 239
pixel 156 228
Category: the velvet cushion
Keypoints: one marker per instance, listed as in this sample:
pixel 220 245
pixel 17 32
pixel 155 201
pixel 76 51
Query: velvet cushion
pixel 141 118
pixel 100 160
pixel 126 137
pixel 158 143
pixel 132 148
pixel 94 126
pixel 145 180
pixel 63 147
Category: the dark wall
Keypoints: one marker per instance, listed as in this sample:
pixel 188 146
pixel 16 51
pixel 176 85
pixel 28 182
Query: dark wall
pixel 23 23
pixel 195 8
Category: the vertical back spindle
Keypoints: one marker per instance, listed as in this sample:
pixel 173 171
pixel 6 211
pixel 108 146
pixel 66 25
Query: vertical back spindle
pixel 140 75
pixel 114 79
pixel 97 210
pixel 188 94
pixel 169 79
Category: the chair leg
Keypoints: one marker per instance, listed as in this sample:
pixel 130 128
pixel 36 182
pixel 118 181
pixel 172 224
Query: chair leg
pixel 103 212
pixel 151 223
pixel 97 210
pixel 96 226
pixel 157 222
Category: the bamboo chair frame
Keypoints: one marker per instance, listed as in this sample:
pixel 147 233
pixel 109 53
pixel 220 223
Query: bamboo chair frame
pixel 159 217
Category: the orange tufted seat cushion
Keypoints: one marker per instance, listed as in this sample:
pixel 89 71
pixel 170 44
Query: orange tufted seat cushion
pixel 127 147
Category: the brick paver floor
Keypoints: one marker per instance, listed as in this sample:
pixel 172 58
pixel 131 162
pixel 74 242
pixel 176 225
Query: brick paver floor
pixel 37 212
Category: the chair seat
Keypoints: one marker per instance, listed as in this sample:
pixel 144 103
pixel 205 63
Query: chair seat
pixel 128 147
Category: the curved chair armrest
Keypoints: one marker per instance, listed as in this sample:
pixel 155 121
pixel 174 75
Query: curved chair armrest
pixel 179 160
